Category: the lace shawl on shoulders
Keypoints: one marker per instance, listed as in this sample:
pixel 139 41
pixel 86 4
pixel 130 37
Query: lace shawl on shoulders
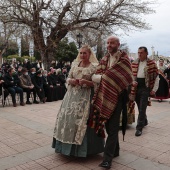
pixel 84 71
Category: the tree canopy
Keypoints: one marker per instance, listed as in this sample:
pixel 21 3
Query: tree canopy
pixel 49 21
pixel 66 51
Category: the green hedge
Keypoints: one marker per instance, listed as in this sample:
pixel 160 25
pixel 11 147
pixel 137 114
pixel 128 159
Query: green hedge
pixel 21 59
pixel 29 58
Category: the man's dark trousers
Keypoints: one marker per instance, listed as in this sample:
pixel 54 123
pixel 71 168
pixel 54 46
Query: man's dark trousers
pixel 112 129
pixel 142 102
pixel 13 90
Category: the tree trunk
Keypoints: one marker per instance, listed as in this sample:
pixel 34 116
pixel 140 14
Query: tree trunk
pixel 2 52
pixel 43 59
pixel 100 52
pixel 46 58
pixel 50 57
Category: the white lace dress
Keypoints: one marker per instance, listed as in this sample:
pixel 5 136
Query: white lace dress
pixel 70 127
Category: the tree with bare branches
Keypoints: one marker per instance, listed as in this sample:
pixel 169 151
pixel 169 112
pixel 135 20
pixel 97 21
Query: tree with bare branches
pixel 51 20
pixel 8 30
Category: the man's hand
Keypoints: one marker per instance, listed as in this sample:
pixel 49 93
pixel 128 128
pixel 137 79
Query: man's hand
pixel 31 87
pixel 135 83
pixel 152 93
pixel 1 81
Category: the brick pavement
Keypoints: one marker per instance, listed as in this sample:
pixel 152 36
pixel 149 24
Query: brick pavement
pixel 26 137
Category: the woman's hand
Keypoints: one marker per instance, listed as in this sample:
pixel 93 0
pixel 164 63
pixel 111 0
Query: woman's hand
pixel 85 83
pixel 82 82
pixel 74 82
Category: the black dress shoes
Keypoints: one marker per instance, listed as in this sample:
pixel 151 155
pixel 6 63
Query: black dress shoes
pixel 105 164
pixel 138 133
pixel 36 102
pixel 116 155
pixel 146 122
pixel 28 102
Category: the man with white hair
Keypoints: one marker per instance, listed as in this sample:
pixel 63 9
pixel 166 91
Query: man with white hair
pixel 113 75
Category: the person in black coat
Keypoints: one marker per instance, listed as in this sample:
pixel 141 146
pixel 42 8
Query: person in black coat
pixel 5 66
pixel 3 91
pixel 19 71
pixel 12 83
pixel 32 72
pixel 37 81
pixel 49 89
pixel 64 73
pixel 28 65
pixel 53 84
pixel 59 82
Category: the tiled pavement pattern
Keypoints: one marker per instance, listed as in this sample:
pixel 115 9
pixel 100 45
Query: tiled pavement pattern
pixel 26 137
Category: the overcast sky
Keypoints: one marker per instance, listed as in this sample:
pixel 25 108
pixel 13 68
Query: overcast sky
pixel 158 36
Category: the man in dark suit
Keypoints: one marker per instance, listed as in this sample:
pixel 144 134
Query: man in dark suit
pixel 12 83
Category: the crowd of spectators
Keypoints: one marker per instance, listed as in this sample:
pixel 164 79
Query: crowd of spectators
pixel 39 84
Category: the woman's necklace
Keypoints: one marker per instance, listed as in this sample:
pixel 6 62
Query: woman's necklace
pixel 84 64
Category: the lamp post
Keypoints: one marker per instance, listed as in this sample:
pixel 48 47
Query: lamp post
pixel 79 39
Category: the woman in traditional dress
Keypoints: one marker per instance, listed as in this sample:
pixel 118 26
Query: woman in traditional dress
pixel 163 90
pixel 71 136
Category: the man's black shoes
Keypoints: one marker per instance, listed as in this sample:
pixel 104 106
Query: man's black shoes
pixel 116 155
pixel 146 122
pixel 36 102
pixel 105 164
pixel 28 102
pixel 138 133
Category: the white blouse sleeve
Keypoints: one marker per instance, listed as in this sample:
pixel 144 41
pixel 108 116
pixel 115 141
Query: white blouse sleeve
pixel 96 78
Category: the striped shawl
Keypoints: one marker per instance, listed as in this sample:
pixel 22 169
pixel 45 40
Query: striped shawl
pixel 151 72
pixel 114 81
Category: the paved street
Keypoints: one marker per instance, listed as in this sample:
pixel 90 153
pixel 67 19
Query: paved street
pixel 26 137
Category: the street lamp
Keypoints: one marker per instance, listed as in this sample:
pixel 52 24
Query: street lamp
pixel 79 39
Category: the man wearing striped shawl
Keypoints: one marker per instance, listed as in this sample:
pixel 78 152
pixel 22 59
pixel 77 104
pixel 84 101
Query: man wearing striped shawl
pixel 114 75
pixel 145 84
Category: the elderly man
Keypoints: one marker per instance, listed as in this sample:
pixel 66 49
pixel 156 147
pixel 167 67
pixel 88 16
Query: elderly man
pixel 145 84
pixel 27 85
pixel 114 75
